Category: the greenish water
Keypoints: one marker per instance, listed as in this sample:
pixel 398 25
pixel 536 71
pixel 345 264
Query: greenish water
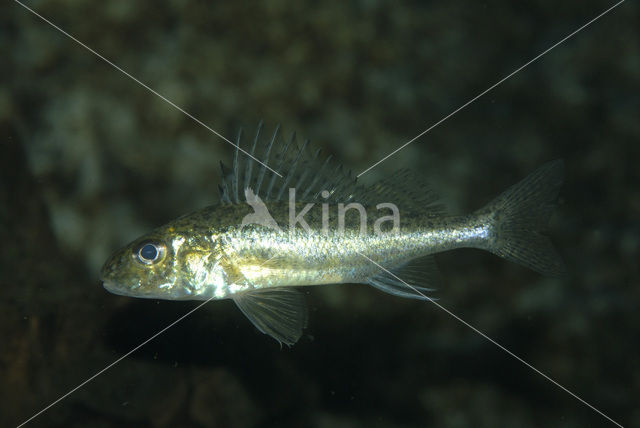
pixel 89 160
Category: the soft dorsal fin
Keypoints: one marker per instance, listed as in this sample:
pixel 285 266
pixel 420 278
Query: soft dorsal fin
pixel 407 190
pixel 310 174
pixel 421 274
pixel 279 312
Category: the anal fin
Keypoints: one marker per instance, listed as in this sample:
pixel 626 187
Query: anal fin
pixel 279 312
pixel 413 280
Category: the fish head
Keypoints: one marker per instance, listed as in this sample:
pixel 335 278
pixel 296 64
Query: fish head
pixel 149 267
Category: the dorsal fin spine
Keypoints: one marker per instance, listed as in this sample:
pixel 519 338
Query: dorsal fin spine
pixel 345 188
pixel 341 186
pixel 331 185
pixel 316 178
pixel 224 189
pixel 292 171
pixel 234 182
pixel 280 161
pixel 266 160
pixel 249 166
pixel 310 165
pixel 222 194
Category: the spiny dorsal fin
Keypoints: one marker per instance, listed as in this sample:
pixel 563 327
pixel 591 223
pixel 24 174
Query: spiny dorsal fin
pixel 249 165
pixel 281 157
pixel 299 168
pixel 305 170
pixel 224 187
pixel 263 166
pixel 292 170
pixel 235 170
pixel 317 175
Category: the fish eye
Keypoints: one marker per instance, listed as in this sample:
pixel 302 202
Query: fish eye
pixel 149 253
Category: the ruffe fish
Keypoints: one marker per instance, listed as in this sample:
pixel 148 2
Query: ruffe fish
pixel 318 225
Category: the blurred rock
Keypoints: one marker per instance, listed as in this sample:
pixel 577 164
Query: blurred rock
pixel 220 400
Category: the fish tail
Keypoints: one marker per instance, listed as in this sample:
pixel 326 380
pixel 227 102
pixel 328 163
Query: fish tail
pixel 520 216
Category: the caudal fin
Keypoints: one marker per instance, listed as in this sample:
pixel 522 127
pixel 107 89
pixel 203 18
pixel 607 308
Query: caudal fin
pixel 520 216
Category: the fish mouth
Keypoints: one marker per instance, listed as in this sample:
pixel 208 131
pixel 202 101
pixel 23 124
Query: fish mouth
pixel 115 288
pixel 178 294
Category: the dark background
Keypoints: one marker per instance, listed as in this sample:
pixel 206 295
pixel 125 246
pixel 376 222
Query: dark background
pixel 89 160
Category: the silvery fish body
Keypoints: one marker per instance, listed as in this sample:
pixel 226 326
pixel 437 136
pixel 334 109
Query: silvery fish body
pixel 312 226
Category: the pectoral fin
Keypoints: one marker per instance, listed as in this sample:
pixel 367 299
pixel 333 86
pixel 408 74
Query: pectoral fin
pixel 279 312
